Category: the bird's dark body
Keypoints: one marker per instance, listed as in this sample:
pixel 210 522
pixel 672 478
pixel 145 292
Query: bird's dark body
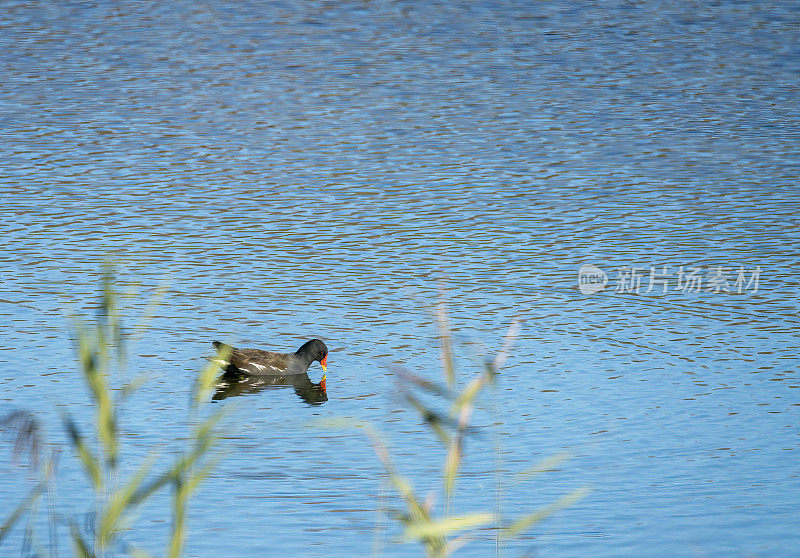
pixel 257 362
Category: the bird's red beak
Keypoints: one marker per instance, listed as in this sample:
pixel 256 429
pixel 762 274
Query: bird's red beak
pixel 324 363
pixel 323 384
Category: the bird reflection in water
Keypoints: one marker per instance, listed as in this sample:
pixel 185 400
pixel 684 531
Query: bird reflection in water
pixel 232 384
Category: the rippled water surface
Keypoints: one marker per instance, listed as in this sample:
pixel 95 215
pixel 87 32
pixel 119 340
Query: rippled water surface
pixel 311 169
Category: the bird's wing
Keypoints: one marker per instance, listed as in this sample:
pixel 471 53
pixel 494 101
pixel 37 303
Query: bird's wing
pixel 259 362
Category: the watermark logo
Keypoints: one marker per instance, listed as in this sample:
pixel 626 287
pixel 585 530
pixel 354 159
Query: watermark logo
pixel 591 279
pixel 644 280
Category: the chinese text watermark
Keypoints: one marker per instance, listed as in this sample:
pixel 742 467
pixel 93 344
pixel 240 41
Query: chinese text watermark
pixel 662 279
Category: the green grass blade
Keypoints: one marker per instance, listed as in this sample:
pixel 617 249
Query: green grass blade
pixel 431 418
pixel 452 464
pixel 91 465
pixel 128 388
pixel 138 552
pixel 463 406
pixel 204 384
pixel 524 523
pixel 546 464
pixel 203 438
pixel 93 359
pixel 441 528
pixel 19 510
pixel 110 315
pixel 149 312
pixel 418 381
pixel 178 534
pixel 416 508
pixel 119 503
pixel 467 396
pixel 199 476
pixel 513 332
pixel 80 548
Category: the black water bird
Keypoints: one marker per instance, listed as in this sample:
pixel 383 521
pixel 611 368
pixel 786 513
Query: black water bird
pixel 256 362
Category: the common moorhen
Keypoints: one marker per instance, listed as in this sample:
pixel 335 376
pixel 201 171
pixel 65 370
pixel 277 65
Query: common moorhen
pixel 255 362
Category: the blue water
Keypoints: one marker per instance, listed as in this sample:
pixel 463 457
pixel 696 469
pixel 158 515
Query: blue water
pixel 298 170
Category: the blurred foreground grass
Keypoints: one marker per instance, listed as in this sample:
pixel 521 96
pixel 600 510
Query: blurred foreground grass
pixel 101 349
pixel 420 519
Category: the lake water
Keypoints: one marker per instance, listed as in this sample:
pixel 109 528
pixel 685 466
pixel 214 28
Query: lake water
pixel 311 169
